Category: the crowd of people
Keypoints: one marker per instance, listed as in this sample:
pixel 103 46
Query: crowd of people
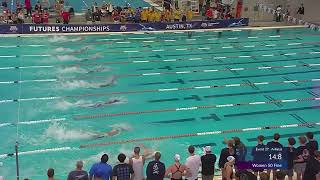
pixel 39 14
pixel 303 160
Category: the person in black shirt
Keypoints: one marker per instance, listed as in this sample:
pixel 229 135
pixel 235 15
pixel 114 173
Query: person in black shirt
pixel 245 174
pixel 78 174
pixel 207 162
pixel 290 150
pixel 313 167
pixel 240 149
pixel 301 10
pixel 274 144
pixel 156 169
pixel 312 145
pixel 122 171
pixel 257 153
pixel 226 152
pixel 302 154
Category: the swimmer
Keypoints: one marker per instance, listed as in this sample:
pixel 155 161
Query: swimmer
pixel 98 69
pixel 109 83
pixel 106 103
pixel 116 130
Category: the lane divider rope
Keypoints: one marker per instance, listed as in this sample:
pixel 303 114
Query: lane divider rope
pixel 191 108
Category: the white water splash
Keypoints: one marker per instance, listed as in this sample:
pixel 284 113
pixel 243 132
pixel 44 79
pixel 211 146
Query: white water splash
pixel 65 105
pixel 62 39
pixel 75 84
pixel 61 133
pixel 73 69
pixel 68 50
pixel 68 58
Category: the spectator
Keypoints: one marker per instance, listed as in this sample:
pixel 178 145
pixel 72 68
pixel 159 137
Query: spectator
pixel 177 170
pixel 278 13
pixel 122 171
pixel 245 175
pixel 226 152
pixel 290 150
pixel 144 15
pixel 189 15
pixel 45 17
pixel 193 164
pixel 312 171
pixel 4 3
pixel 177 15
pixel 208 164
pixel 137 15
pixel 65 16
pixel 167 16
pixel 18 6
pixel 209 14
pixel 137 162
pixel 28 7
pixel 50 174
pixel 227 173
pixel 101 169
pixel 302 154
pixel 280 175
pixel 300 11
pixel 167 4
pixel 20 17
pixel 257 153
pixel 274 144
pixel 156 169
pixel 264 176
pixel 157 16
pixel 240 149
pixel 116 16
pixel 312 144
pixel 78 174
pixel 88 16
pixel 37 6
pixel 36 17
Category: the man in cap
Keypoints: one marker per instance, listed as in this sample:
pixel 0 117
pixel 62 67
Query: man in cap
pixel 78 174
pixel 207 162
pixel 177 170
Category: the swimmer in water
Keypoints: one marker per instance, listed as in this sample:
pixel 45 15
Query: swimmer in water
pixel 98 69
pixel 115 131
pixel 106 103
pixel 110 83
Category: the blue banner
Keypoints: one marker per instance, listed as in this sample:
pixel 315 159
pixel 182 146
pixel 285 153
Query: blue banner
pixel 87 28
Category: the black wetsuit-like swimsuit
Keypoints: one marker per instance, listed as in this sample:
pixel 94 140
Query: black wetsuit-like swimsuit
pixel 178 170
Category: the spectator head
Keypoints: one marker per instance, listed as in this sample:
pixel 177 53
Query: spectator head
pixel 236 140
pixel 302 140
pixel 291 141
pixel 177 158
pixel 157 156
pixel 104 158
pixel 121 157
pixel 264 176
pixel 280 175
pixel 136 150
pixel 230 143
pixel 207 149
pixel 276 136
pixel 317 155
pixel 260 138
pixel 50 173
pixel 191 149
pixel 309 135
pixel 79 164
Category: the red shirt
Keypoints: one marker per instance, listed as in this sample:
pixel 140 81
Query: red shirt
pixel 45 18
pixel 65 15
pixel 36 18
pixel 209 13
pixel 27 3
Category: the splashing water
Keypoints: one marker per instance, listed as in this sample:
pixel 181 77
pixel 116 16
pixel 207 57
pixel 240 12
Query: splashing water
pixel 74 84
pixel 68 58
pixel 64 39
pixel 65 105
pixel 73 69
pixel 61 133
pixel 61 49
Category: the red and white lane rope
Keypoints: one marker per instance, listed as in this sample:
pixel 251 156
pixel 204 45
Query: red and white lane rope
pixel 162 90
pixel 161 138
pixel 192 108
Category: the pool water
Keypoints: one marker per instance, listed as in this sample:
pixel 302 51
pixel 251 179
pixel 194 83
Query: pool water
pixel 61 92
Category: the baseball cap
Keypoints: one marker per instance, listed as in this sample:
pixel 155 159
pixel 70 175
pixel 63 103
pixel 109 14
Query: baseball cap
pixel 177 157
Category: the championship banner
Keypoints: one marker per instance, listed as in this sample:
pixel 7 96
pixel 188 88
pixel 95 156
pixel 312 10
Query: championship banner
pixel 89 28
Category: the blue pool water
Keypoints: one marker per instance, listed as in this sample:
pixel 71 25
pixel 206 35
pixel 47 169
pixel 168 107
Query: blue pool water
pixel 60 92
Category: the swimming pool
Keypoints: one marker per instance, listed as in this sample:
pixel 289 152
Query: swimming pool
pixel 59 93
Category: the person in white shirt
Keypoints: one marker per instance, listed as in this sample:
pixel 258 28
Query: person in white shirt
pixel 137 161
pixel 193 164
